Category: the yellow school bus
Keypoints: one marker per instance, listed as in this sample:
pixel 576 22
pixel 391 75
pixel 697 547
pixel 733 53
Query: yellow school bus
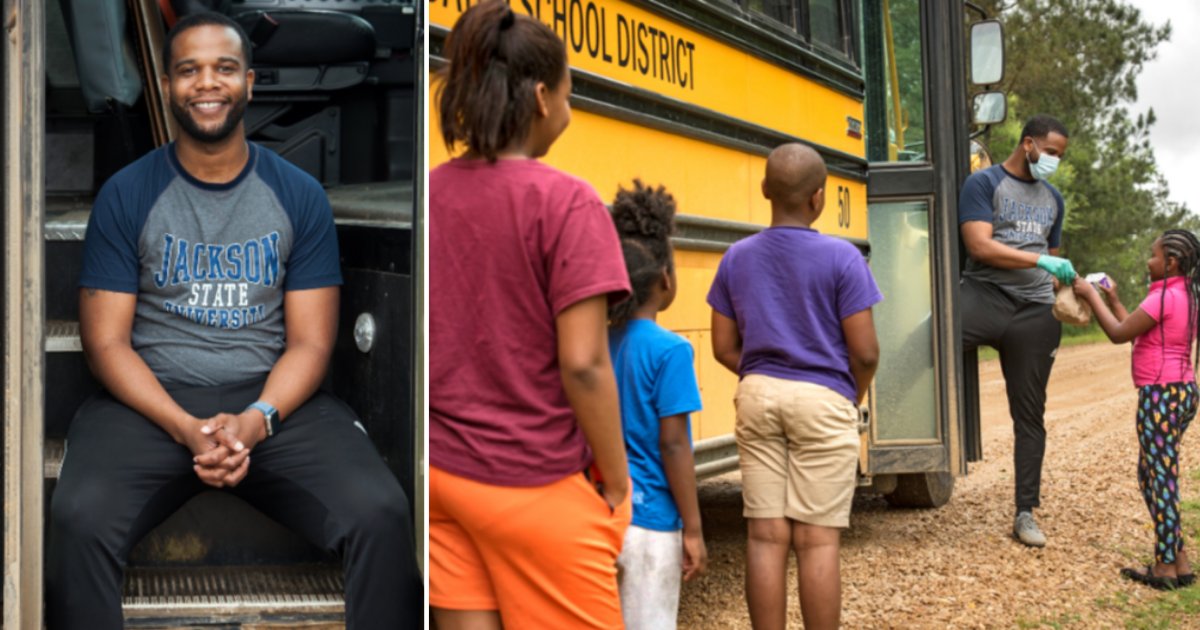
pixel 693 94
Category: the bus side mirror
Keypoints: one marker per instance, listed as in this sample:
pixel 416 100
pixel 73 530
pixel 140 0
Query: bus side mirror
pixel 987 52
pixel 989 108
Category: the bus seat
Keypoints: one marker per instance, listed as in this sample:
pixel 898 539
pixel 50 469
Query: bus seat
pixel 180 8
pixel 299 38
pixel 302 51
pixel 108 75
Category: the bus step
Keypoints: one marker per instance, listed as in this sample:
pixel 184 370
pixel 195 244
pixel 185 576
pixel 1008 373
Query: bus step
pixel 296 596
pixel 62 336
pixel 54 451
pixel 66 217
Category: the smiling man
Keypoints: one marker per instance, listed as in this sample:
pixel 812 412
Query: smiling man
pixel 208 311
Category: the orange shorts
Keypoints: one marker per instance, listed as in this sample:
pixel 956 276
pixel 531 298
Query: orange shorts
pixel 544 557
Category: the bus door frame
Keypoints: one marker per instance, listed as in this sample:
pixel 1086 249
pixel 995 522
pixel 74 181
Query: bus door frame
pixel 23 189
pixel 938 182
pixel 418 298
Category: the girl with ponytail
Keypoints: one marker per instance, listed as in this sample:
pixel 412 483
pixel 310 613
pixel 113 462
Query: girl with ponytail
pixel 528 481
pixel 658 391
pixel 1163 330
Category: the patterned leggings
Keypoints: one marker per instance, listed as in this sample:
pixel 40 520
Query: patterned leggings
pixel 1164 412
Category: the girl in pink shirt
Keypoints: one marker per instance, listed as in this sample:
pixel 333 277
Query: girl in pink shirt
pixel 1163 331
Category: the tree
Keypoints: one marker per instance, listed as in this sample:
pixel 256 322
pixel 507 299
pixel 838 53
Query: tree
pixel 1078 61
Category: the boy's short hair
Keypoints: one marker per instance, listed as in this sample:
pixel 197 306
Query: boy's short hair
pixel 794 173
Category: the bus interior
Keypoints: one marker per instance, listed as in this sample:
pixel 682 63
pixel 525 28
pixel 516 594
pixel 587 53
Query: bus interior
pixel 336 94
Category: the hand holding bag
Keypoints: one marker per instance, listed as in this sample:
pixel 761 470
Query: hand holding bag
pixel 1069 309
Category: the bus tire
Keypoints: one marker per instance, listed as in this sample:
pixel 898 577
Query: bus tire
pixel 922 490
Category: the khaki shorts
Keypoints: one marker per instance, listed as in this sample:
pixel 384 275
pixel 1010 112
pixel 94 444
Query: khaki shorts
pixel 798 450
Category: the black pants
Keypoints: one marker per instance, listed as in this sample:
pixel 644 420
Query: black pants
pixel 320 476
pixel 1027 336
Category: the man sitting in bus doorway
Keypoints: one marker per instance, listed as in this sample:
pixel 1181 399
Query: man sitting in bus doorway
pixel 208 311
pixel 1011 223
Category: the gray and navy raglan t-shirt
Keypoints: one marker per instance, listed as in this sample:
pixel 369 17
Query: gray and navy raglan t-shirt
pixel 1026 215
pixel 210 263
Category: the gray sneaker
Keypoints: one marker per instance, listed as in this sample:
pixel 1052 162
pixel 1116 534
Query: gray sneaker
pixel 1025 529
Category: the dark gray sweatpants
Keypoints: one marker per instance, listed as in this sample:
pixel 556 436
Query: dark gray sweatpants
pixel 1027 336
pixel 320 476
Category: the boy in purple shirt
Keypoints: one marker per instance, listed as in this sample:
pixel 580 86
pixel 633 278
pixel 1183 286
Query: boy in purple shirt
pixel 792 317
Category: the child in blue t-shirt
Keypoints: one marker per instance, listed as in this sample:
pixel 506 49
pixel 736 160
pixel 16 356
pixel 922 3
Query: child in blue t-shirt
pixel 656 384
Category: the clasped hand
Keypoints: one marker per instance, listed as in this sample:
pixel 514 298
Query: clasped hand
pixel 221 446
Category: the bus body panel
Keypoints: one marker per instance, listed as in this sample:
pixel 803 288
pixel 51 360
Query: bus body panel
pixel 711 74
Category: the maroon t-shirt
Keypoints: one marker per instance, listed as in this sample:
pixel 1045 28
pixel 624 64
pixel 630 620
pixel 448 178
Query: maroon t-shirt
pixel 511 245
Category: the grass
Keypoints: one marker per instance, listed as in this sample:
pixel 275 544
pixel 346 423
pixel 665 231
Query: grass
pixel 1172 609
pixel 1084 336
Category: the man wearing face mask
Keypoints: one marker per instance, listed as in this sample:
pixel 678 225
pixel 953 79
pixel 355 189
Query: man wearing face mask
pixel 1011 221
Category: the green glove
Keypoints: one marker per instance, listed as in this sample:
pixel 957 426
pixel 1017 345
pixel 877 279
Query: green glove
pixel 1060 268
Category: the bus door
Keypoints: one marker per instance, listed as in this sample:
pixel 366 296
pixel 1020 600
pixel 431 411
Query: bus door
pixel 912 113
pixel 917 143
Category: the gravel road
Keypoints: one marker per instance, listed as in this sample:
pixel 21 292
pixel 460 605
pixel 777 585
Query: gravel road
pixel 957 566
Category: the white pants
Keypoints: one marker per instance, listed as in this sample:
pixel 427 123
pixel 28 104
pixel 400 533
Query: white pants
pixel 650 569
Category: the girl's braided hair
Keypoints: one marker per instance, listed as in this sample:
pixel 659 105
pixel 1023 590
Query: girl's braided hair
pixel 1183 246
pixel 645 220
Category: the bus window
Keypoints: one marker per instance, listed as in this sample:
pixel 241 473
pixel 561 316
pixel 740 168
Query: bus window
pixel 903 75
pixel 822 23
pixel 779 10
pixel 826 24
pixel 905 383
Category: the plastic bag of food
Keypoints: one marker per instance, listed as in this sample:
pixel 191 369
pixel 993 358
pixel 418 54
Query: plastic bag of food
pixel 1069 309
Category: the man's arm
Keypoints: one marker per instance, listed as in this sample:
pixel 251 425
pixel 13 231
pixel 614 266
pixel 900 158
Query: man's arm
pixel 727 341
pixel 591 388
pixel 310 322
pixel 863 347
pixel 310 325
pixel 977 236
pixel 105 330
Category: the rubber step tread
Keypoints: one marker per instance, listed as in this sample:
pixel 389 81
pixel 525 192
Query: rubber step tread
pixel 62 336
pixel 54 450
pixel 234 594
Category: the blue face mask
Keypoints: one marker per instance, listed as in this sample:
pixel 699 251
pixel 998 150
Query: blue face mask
pixel 1045 166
